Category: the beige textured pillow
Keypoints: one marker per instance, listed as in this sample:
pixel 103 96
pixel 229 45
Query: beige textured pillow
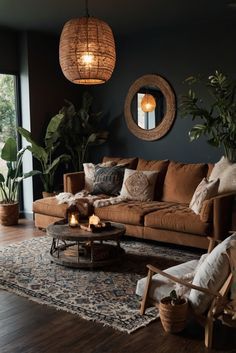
pixel 89 173
pixel 139 185
pixel 226 172
pixel 204 191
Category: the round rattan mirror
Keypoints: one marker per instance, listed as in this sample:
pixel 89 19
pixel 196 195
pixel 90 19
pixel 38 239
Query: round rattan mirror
pixel 150 107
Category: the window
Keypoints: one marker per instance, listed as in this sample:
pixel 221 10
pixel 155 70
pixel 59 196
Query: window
pixel 8 115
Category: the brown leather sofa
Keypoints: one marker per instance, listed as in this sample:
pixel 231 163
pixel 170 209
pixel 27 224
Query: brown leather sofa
pixel 168 218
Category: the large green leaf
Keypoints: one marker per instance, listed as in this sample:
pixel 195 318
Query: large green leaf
pixel 52 133
pixel 9 151
pixel 28 174
pixel 37 151
pixel 56 162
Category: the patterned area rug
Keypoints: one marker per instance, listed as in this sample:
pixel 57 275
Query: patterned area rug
pixel 104 295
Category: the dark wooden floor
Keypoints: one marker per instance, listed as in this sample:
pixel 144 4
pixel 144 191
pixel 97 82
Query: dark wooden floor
pixel 29 327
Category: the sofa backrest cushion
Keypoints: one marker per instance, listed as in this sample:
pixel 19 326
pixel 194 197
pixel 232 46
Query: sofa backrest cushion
pixel 130 163
pixel 181 181
pixel 159 166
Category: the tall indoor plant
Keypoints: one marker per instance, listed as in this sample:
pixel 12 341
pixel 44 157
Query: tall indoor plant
pixel 217 117
pixel 81 130
pixel 9 184
pixel 46 154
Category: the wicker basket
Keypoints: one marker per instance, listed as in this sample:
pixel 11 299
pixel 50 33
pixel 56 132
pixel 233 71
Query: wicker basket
pixel 9 213
pixel 173 317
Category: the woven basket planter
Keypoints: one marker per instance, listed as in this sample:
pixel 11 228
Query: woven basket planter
pixel 173 317
pixel 9 213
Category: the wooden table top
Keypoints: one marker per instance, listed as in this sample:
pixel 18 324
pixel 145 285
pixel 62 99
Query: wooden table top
pixel 65 232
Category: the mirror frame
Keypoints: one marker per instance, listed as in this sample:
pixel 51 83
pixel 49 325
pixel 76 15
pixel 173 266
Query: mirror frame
pixel 159 131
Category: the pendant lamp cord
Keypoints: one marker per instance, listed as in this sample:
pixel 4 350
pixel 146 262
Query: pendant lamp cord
pixel 86 8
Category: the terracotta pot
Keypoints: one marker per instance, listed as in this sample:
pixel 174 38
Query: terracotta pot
pixel 173 317
pixel 48 194
pixel 9 213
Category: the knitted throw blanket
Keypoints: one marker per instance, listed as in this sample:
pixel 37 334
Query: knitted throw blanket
pixel 85 197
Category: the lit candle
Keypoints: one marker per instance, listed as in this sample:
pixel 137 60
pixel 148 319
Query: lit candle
pixel 94 220
pixel 73 221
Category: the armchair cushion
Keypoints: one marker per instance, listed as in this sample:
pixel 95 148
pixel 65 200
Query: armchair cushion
pixel 211 275
pixel 162 286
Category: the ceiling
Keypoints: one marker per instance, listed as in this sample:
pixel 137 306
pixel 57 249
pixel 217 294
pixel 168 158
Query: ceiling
pixel 124 16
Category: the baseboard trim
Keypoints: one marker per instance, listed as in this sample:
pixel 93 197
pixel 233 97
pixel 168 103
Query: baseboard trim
pixel 27 215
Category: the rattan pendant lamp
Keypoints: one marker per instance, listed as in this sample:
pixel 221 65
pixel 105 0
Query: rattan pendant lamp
pixel 87 50
pixel 148 103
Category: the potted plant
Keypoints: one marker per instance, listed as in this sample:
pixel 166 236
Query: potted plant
pixel 9 184
pixel 218 117
pixel 173 312
pixel 81 130
pixel 45 154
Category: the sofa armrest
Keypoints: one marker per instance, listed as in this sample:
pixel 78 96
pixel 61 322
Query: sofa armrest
pixel 73 182
pixel 222 215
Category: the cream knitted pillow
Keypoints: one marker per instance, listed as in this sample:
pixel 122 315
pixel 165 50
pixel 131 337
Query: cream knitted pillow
pixel 226 172
pixel 204 191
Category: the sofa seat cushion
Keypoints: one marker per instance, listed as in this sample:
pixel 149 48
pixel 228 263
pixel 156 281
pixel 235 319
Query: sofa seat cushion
pixel 49 206
pixel 176 217
pixel 131 212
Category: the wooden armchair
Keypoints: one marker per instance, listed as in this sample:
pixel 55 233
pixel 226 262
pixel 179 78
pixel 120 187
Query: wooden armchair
pixel 218 302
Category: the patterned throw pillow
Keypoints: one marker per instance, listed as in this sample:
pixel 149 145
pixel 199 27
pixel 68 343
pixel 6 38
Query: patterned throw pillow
pixel 108 180
pixel 89 173
pixel 139 185
pixel 204 191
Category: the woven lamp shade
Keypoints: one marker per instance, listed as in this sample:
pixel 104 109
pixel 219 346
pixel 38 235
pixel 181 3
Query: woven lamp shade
pixel 148 103
pixel 87 51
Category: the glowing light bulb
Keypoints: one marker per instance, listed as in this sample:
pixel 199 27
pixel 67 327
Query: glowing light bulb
pixel 88 58
pixel 148 103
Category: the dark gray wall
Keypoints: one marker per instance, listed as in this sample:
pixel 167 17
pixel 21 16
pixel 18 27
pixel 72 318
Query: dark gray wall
pixel 48 88
pixel 9 58
pixel 174 54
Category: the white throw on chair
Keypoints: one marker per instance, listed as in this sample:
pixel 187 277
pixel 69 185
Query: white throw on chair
pixel 208 281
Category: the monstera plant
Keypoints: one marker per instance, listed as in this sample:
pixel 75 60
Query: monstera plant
pixel 46 154
pixel 216 112
pixel 81 130
pixel 9 183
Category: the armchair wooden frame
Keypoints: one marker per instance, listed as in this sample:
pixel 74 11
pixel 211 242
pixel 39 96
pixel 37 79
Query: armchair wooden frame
pixel 217 305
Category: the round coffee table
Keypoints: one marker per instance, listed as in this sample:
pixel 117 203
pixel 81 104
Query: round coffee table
pixel 75 247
